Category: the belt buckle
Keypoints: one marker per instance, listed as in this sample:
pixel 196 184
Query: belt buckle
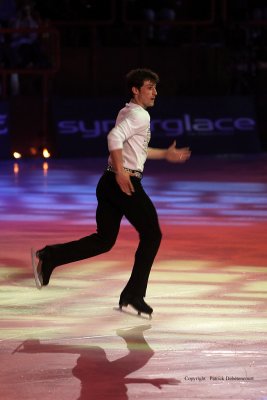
pixel 137 174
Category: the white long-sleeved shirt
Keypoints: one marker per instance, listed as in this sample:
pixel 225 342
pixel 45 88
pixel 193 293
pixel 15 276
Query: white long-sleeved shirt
pixel 131 134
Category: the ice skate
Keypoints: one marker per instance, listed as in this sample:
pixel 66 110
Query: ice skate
pixel 138 304
pixel 42 268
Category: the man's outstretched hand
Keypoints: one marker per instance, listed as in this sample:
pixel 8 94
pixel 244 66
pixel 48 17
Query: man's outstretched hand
pixel 175 155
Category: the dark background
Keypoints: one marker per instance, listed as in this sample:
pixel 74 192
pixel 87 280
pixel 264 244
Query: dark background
pixel 212 48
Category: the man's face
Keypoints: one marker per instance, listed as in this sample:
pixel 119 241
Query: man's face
pixel 145 96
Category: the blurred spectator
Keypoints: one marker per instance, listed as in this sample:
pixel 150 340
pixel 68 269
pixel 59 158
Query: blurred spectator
pixel 25 50
pixel 25 46
pixel 155 12
pixel 160 10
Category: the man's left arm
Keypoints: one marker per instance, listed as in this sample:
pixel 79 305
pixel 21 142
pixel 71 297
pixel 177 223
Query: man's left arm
pixel 171 154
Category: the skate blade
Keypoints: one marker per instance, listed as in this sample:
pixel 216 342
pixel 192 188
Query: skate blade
pixel 37 277
pixel 131 313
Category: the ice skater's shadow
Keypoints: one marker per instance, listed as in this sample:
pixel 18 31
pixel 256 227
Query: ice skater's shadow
pixel 99 377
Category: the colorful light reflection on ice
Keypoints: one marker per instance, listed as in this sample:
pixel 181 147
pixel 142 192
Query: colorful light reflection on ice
pixel 45 196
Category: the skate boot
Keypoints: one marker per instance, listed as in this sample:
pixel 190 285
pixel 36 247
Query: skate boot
pixel 137 303
pixel 42 268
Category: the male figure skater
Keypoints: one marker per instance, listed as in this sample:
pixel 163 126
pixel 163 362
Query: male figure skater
pixel 120 193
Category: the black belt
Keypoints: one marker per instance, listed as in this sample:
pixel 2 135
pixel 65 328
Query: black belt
pixel 135 173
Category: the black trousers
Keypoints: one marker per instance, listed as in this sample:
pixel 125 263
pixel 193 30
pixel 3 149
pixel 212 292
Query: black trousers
pixel 113 204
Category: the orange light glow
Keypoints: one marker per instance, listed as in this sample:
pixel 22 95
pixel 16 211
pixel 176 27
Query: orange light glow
pixel 33 151
pixel 16 155
pixel 46 153
pixel 16 168
pixel 45 168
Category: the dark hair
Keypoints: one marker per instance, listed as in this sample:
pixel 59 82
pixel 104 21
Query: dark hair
pixel 137 77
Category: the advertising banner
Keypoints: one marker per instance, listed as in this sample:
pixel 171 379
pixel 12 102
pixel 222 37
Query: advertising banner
pixel 217 125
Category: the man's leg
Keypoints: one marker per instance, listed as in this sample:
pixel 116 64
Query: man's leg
pixel 108 218
pixel 142 214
